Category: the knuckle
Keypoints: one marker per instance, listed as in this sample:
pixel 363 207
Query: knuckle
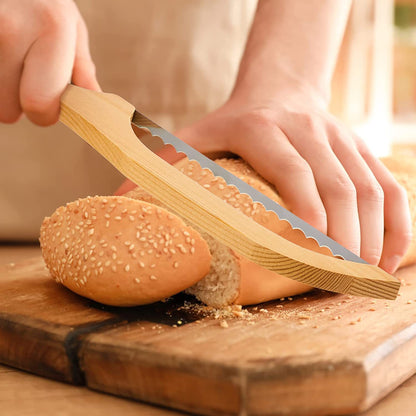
pixel 260 117
pixel 294 163
pixel 306 121
pixel 341 187
pixel 370 190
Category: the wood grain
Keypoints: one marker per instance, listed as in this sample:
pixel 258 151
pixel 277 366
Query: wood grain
pixel 26 394
pixel 42 323
pixel 103 120
pixel 327 354
pixel 319 354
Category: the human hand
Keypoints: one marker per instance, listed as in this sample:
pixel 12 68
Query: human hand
pixel 43 46
pixel 324 172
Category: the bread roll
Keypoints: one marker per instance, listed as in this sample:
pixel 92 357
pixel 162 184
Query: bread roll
pixel 123 252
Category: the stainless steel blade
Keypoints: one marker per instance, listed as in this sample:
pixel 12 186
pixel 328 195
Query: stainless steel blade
pixel 323 240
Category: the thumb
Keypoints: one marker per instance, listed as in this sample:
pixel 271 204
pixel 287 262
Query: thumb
pixel 83 73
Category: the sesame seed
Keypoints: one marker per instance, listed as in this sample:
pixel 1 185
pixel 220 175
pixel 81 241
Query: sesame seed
pixel 127 268
pixel 137 280
pixel 118 218
pixel 141 264
pixel 152 277
pixel 91 232
pixel 176 265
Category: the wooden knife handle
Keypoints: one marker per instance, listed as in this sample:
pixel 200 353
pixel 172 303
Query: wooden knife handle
pixel 104 121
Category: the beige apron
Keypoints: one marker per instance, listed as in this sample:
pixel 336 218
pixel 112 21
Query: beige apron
pixel 174 60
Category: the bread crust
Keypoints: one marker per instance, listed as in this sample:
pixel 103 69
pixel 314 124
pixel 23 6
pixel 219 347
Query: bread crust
pixel 120 251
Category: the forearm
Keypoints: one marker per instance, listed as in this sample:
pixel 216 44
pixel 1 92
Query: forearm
pixel 296 41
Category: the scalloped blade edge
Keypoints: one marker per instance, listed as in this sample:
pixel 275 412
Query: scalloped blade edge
pixel 141 121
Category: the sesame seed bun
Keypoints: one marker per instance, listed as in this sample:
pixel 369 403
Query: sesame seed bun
pixel 120 251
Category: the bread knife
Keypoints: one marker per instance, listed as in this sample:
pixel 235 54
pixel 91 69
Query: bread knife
pixel 104 121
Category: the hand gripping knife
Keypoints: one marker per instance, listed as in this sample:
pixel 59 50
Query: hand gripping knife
pixel 104 121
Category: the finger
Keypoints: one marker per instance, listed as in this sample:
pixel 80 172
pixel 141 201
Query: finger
pixel 397 220
pixel 11 67
pixel 370 196
pixel 274 158
pixel 47 71
pixel 334 186
pixel 84 74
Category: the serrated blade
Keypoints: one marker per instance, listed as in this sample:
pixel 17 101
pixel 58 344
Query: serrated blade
pixel 141 121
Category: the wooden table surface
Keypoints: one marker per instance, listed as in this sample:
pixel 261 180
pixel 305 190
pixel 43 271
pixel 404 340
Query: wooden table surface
pixel 24 394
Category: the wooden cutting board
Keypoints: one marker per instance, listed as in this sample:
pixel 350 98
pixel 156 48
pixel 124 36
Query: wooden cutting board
pixel 310 355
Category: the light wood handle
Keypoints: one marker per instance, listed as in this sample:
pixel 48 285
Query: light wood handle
pixel 104 121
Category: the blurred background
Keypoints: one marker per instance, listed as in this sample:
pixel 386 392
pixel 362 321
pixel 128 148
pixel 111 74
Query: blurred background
pixel 374 87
